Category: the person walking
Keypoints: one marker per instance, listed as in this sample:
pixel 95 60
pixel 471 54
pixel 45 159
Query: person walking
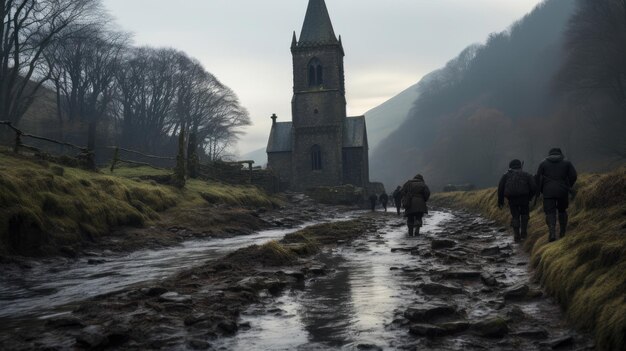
pixel 384 199
pixel 415 194
pixel 373 198
pixel 555 178
pixel 518 187
pixel 397 198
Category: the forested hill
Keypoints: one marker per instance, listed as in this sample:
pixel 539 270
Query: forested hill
pixel 512 97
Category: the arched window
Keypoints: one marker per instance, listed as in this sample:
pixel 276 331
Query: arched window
pixel 316 73
pixel 316 158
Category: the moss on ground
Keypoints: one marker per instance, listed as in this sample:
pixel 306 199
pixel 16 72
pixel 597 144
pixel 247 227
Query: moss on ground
pixel 44 206
pixel 303 243
pixel 585 271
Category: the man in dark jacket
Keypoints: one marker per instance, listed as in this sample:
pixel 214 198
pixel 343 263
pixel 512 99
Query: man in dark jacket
pixel 519 188
pixel 384 199
pixel 397 199
pixel 415 194
pixel 555 178
pixel 373 198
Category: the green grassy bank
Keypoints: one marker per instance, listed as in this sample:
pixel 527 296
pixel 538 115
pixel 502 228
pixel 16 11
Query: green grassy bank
pixel 585 271
pixel 44 206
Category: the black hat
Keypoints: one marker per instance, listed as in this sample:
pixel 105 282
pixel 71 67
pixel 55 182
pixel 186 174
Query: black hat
pixel 515 164
pixel 555 151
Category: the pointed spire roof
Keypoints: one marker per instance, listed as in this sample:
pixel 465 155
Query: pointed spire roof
pixel 317 27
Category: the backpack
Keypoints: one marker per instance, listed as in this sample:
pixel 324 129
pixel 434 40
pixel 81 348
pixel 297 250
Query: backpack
pixel 516 184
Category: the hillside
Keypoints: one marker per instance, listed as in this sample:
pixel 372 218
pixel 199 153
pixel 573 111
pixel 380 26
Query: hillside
pixel 492 103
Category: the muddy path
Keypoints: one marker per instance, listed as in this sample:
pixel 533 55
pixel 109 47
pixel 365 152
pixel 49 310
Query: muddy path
pixel 462 284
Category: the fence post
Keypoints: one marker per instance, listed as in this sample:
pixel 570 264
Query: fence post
pixel 18 142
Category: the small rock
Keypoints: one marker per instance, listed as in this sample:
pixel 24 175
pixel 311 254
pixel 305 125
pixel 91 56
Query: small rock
pixel 428 330
pixel 488 279
pixel 516 292
pixel 174 297
pixel 537 334
pixel 196 344
pixel 492 328
pixel 460 274
pixel 92 336
pixel 490 251
pixel 245 325
pixel 440 289
pixel 428 312
pixel 228 327
pixel 154 291
pixel 560 342
pixel 437 244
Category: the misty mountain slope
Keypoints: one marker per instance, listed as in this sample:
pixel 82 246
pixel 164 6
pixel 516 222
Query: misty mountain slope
pixel 387 117
pixel 483 107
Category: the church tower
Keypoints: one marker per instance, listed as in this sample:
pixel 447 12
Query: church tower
pixel 318 103
pixel 321 146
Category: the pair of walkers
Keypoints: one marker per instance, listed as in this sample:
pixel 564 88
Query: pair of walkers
pixel 554 180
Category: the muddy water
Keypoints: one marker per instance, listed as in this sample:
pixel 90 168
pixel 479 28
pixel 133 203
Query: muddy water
pixel 40 290
pixel 360 304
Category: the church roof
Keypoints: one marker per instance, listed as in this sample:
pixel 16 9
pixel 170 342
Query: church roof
pixel 317 27
pixel 280 137
pixel 354 133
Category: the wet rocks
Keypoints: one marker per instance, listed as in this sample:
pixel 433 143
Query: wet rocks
pixel 492 328
pixel 516 292
pixel 438 330
pixel 228 327
pixel 437 244
pixel 154 291
pixel 65 322
pixel 490 251
pixel 440 289
pixel 460 274
pixel 369 347
pixel 560 342
pixel 429 312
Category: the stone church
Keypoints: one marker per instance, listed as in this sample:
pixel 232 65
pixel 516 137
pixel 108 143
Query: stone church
pixel 321 146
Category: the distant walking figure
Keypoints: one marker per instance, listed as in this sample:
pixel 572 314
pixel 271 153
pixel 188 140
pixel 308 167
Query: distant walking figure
pixel 555 177
pixel 373 198
pixel 519 188
pixel 397 199
pixel 415 194
pixel 384 198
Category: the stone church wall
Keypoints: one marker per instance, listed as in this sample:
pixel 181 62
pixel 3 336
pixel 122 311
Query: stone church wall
pixel 329 140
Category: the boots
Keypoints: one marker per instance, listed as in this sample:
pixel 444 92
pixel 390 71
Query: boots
pixel 524 226
pixel 562 223
pixel 551 222
pixel 515 223
pixel 417 231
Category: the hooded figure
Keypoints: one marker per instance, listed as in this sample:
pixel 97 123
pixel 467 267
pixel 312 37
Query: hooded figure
pixel 518 187
pixel 397 198
pixel 555 178
pixel 415 194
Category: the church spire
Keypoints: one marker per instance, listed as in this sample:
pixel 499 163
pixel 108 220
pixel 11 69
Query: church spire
pixel 317 27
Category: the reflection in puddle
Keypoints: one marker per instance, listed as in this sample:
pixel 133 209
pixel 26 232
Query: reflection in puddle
pixel 354 305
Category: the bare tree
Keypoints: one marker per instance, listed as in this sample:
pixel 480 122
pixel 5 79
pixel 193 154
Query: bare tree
pixel 29 27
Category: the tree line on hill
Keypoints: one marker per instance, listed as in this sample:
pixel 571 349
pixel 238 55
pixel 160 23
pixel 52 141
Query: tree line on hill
pixel 105 89
pixel 557 77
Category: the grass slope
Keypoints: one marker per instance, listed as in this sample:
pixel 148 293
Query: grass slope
pixel 45 206
pixel 585 271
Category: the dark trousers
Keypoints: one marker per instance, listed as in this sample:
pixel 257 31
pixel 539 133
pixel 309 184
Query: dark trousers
pixel 398 206
pixel 551 206
pixel 384 203
pixel 517 212
pixel 414 219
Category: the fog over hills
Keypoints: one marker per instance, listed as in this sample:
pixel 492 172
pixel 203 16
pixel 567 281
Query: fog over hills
pixel 492 103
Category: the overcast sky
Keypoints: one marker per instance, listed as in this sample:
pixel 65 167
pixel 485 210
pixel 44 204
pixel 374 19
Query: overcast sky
pixel 389 45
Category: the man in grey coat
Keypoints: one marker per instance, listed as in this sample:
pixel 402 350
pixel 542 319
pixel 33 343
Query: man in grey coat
pixel 555 178
pixel 415 194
